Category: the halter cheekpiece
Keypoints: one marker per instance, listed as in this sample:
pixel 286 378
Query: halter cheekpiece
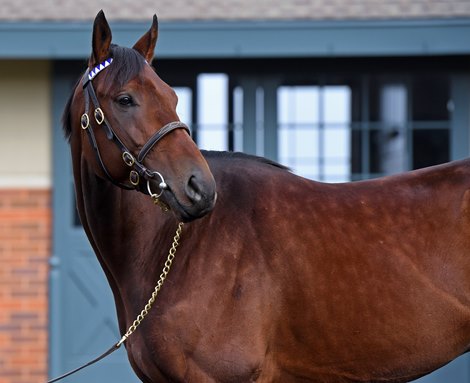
pixel 138 171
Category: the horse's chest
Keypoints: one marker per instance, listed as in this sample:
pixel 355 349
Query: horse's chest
pixel 203 348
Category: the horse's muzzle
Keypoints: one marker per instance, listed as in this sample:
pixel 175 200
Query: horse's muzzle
pixel 188 201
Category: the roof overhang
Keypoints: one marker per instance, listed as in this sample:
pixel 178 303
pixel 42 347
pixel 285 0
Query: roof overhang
pixel 264 39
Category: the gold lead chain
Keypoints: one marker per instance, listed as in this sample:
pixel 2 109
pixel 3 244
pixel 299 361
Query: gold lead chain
pixel 156 290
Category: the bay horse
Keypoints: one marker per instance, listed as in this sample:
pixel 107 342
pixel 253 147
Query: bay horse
pixel 277 278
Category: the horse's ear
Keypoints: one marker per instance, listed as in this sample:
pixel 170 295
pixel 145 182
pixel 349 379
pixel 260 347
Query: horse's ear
pixel 101 40
pixel 146 44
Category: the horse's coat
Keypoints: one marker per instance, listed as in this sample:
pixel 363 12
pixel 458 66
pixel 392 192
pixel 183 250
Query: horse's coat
pixel 286 279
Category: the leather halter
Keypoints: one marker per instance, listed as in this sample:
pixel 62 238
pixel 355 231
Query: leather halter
pixel 138 170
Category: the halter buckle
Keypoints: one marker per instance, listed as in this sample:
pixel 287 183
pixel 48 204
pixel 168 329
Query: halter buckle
pixel 99 116
pixel 85 121
pixel 128 158
pixel 134 178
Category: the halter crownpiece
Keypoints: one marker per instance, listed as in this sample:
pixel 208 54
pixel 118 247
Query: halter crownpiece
pixel 97 69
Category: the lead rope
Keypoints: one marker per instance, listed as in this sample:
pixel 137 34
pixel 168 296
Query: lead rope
pixel 156 290
pixel 143 313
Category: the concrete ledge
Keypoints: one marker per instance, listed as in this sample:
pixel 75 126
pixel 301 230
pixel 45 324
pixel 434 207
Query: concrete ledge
pixel 243 39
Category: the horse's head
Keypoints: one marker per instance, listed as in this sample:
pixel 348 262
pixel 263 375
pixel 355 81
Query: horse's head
pixel 123 119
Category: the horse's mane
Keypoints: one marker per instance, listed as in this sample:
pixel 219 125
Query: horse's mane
pixel 127 63
pixel 243 156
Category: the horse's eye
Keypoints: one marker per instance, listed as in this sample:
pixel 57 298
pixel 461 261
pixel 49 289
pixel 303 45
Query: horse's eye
pixel 125 100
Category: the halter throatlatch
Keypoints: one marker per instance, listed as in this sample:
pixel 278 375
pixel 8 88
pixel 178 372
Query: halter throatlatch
pixel 138 171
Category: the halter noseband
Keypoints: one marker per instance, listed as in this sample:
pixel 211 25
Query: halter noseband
pixel 138 170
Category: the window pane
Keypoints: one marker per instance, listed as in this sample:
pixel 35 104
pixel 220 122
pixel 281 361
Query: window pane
pixel 337 104
pixel 184 109
pixel 337 135
pixel 298 133
pixel 298 104
pixel 392 138
pixel 314 123
pixel 238 119
pixel 213 111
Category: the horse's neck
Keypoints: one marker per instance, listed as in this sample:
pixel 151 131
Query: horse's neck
pixel 115 220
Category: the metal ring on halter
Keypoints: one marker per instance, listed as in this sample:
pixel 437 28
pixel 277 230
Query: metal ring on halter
pixel 84 121
pixel 128 158
pixel 134 178
pixel 162 185
pixel 99 116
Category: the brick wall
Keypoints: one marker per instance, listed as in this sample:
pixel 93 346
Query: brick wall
pixel 25 243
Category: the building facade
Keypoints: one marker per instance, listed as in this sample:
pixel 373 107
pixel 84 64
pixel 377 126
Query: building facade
pixel 339 91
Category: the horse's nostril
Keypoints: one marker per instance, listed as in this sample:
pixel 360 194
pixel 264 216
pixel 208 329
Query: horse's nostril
pixel 193 189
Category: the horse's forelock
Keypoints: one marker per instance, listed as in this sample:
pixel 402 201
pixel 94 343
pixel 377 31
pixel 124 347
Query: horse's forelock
pixel 127 63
